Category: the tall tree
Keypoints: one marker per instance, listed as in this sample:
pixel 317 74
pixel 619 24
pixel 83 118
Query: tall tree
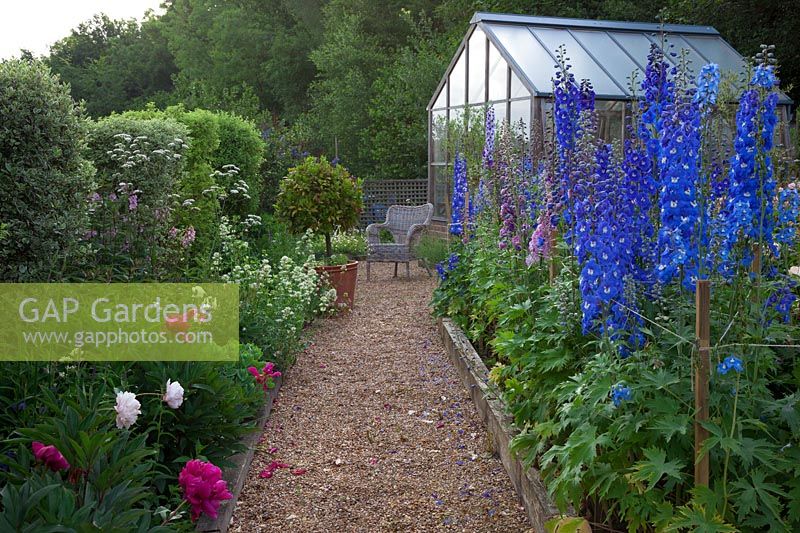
pixel 113 64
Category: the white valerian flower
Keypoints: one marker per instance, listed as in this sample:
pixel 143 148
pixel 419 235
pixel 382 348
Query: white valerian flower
pixel 128 409
pixel 174 394
pixel 795 271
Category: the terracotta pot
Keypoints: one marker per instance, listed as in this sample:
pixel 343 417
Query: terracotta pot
pixel 343 279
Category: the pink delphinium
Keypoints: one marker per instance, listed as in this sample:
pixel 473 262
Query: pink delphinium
pixel 266 376
pixel 133 202
pixel 542 239
pixel 203 487
pixel 50 456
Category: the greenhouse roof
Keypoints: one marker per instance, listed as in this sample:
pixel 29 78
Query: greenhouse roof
pixel 607 53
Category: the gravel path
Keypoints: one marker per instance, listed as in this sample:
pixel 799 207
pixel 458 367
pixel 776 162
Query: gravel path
pixel 377 431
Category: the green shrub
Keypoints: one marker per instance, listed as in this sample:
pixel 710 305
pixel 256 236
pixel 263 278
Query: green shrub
pixel 350 243
pixel 44 178
pixel 156 177
pixel 106 485
pixel 320 197
pixel 432 249
pixel 135 234
pixel 240 145
pixel 280 155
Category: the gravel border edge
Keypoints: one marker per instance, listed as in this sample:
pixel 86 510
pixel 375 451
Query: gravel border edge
pixel 236 475
pixel 493 411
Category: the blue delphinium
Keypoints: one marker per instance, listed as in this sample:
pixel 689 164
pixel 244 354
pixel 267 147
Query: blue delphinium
pixel 658 89
pixel 571 101
pixel 620 393
pixel 782 299
pixel 730 363
pixel 443 270
pixel 603 246
pixel 459 212
pixel 764 76
pixel 680 166
pixel 452 261
pixel 488 144
pixel 788 213
pixel 748 210
pixel 637 196
pixel 707 86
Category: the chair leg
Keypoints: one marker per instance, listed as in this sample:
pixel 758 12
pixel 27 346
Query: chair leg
pixel 408 271
pixel 395 270
pixel 367 270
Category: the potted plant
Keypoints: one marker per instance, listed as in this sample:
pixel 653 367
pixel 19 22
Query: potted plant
pixel 322 197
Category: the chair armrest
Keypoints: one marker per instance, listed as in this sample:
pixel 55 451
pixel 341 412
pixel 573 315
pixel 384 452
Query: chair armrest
pixel 373 232
pixel 414 232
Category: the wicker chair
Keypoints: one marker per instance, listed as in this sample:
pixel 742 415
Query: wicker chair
pixel 406 224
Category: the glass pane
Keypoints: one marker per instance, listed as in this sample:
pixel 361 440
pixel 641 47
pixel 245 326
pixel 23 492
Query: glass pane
pixel 517 89
pixel 440 190
pixel 439 136
pixel 636 44
pixel 546 112
pixel 521 110
pixel 674 44
pixel 500 109
pixel 717 51
pixel 612 57
pixel 441 100
pixel 609 120
pixel 583 66
pixel 498 75
pixel 458 82
pixel 536 63
pixel 477 67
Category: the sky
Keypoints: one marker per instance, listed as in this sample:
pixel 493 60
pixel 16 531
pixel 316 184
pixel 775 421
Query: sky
pixel 37 24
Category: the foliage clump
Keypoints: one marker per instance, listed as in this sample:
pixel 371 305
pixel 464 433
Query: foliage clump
pixel 44 176
pixel 319 196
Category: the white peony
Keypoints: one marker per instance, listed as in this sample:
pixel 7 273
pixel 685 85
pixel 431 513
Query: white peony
pixel 128 409
pixel 174 394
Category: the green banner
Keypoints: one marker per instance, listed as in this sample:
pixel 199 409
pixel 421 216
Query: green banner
pixel 119 322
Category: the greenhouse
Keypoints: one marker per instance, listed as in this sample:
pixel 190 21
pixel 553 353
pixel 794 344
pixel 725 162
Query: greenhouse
pixel 507 62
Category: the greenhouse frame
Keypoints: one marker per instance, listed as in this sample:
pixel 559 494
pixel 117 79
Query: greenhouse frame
pixel 508 61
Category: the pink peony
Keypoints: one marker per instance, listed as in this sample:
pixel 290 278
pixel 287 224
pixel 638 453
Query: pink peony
pixel 50 456
pixel 203 487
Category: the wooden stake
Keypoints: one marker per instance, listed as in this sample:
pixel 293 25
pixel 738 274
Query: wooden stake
pixel 552 269
pixel 701 378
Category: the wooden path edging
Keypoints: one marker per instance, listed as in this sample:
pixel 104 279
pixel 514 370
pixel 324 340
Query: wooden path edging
pixel 236 475
pixel 492 409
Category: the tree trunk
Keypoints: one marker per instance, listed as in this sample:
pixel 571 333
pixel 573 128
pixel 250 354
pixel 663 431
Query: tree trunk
pixel 328 247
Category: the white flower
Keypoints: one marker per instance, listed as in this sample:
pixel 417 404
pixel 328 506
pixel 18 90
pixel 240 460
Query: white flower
pixel 795 271
pixel 128 409
pixel 174 394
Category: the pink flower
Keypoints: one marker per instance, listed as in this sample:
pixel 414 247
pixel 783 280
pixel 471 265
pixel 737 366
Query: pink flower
pixel 133 202
pixel 266 376
pixel 270 469
pixel 203 487
pixel 50 456
pixel 188 237
pixel 299 471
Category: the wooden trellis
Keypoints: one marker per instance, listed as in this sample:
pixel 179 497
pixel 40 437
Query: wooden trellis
pixel 380 194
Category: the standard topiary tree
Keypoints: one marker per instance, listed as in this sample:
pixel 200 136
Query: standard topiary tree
pixel 44 179
pixel 319 196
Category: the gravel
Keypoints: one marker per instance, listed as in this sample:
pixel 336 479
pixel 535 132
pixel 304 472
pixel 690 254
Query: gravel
pixel 374 430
